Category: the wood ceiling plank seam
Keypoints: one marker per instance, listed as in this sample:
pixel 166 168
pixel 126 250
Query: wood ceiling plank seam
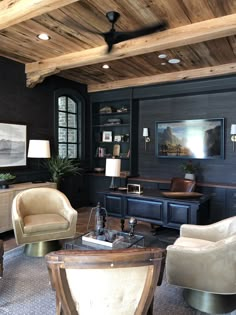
pixel 197 11
pixel 87 17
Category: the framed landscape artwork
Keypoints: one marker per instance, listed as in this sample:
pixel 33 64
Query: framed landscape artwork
pixel 12 145
pixel 197 138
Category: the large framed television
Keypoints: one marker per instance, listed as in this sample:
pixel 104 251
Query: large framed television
pixel 195 138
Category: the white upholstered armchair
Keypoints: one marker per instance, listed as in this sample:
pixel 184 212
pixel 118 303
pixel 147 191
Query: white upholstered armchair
pixel 203 261
pixel 40 216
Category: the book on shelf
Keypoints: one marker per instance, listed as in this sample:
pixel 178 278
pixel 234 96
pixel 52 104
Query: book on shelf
pixel 91 237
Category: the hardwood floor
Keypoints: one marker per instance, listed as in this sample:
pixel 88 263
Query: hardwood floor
pixel 163 237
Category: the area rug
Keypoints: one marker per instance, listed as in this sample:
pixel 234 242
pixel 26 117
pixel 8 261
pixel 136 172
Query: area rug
pixel 25 289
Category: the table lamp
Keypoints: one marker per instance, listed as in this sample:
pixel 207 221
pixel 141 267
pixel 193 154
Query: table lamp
pixel 39 149
pixel 113 170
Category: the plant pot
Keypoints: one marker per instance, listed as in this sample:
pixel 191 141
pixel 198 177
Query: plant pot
pixel 189 176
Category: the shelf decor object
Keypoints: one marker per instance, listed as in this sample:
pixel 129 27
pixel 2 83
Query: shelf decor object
pixel 113 170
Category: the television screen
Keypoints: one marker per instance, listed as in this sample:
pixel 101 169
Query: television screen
pixel 197 138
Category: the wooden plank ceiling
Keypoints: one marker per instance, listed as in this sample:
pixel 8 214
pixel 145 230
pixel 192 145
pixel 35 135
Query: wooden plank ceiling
pixel 201 33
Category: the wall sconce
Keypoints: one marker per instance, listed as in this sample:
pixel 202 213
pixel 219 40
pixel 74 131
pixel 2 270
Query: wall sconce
pixel 233 135
pixel 146 137
pixel 113 170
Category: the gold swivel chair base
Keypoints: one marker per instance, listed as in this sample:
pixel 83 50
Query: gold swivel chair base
pixel 210 302
pixel 40 249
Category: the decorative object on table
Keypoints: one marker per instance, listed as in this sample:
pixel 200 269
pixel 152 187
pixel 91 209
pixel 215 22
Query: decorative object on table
pixel 134 189
pixel 109 238
pixel 12 145
pixel 190 169
pixel 132 223
pixel 99 218
pixel 107 136
pixel 60 167
pixel 6 179
pixel 116 150
pixel 181 195
pixel 113 170
pixel 146 137
pixel 233 135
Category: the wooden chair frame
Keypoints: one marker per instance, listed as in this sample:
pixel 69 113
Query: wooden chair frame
pixel 1 258
pixel 59 262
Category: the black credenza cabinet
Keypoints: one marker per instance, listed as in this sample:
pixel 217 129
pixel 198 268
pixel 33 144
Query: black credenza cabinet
pixel 152 207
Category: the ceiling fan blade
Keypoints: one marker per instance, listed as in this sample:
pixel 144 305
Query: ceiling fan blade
pixel 114 37
pixel 123 36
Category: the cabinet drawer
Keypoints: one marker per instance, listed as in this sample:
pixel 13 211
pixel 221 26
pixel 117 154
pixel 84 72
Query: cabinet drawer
pixel 178 214
pixel 149 210
pixel 113 205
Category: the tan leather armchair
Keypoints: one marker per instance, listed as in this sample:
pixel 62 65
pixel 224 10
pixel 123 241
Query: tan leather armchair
pixel 203 261
pixel 40 215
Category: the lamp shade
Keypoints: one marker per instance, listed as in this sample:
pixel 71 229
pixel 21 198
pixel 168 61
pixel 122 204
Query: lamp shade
pixel 113 167
pixel 145 132
pixel 233 129
pixel 39 149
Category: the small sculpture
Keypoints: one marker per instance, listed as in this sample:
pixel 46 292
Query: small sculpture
pixel 132 224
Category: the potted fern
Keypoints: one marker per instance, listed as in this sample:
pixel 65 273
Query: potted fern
pixel 60 167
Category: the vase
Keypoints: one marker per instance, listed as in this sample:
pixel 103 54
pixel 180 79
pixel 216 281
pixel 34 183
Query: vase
pixel 189 176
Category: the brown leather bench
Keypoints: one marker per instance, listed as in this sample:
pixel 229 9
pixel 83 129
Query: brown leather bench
pixel 1 258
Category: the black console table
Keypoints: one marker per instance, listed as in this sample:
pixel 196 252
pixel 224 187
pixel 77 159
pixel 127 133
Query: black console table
pixel 153 207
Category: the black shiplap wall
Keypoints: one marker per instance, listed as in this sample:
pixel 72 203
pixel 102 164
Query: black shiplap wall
pixel 212 104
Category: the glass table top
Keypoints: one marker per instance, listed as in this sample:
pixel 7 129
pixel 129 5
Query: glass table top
pixel 121 240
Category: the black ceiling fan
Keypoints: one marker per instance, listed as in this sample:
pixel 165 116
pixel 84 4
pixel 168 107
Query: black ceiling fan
pixel 114 37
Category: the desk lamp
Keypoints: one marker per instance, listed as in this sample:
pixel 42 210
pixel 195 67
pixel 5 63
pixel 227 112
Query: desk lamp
pixel 113 170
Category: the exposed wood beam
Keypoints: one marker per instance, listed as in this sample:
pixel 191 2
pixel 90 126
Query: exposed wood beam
pixel 229 68
pixel 181 36
pixel 16 11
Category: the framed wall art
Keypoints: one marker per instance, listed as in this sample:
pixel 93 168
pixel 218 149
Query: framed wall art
pixel 107 136
pixel 197 138
pixel 12 145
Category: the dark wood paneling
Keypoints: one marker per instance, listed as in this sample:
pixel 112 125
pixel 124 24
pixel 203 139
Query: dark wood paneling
pixel 33 107
pixel 216 105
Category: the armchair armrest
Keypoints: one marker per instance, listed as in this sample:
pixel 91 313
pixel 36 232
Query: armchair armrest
pixel 211 232
pixel 182 261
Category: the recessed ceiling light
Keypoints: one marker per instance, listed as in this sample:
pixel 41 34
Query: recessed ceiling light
pixel 162 56
pixel 43 36
pixel 105 66
pixel 174 60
